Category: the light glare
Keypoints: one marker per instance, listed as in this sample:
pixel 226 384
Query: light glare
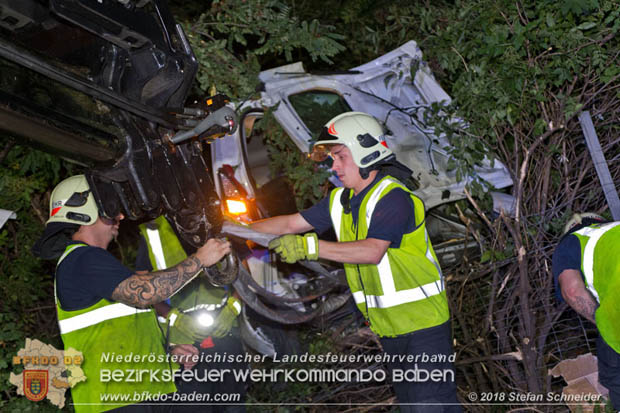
pixel 236 207
pixel 205 320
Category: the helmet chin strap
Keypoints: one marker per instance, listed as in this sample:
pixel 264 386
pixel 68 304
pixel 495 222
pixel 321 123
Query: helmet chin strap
pixel 365 172
pixel 389 166
pixel 345 200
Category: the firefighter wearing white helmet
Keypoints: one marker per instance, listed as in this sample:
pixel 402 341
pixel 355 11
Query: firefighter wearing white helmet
pixel 586 271
pixel 391 268
pixel 359 132
pixel 73 202
pixel 72 205
pixel 103 307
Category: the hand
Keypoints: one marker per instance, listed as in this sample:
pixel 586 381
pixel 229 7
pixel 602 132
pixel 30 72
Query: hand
pixel 226 317
pixel 213 251
pixel 293 248
pixel 184 329
pixel 185 355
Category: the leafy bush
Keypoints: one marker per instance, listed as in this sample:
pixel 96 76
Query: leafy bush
pixel 231 37
pixel 27 308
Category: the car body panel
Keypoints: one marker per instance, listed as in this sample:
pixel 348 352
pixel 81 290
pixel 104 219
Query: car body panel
pixel 383 88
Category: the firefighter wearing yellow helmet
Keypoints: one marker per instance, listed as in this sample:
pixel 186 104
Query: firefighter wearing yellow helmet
pixel 391 268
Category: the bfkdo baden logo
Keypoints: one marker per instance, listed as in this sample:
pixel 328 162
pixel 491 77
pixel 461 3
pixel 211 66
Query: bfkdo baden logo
pixel 47 372
pixel 35 384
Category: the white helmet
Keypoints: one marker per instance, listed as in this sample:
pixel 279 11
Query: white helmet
pixel 73 202
pixel 359 132
pixel 578 219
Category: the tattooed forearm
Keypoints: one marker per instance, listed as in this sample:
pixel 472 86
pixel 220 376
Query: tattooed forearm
pixel 576 294
pixel 585 305
pixel 143 290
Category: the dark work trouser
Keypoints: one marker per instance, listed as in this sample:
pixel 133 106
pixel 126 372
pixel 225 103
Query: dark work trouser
pixel 418 392
pixel 229 345
pixel 609 370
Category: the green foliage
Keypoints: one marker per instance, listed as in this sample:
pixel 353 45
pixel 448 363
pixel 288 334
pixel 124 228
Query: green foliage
pixel 513 70
pixel 26 288
pixel 466 151
pixel 231 37
pixel 27 175
pixel 370 28
pixel 497 255
pixel 502 62
pixel 309 179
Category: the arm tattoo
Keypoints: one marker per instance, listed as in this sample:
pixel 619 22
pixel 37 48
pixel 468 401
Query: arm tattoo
pixel 585 305
pixel 143 290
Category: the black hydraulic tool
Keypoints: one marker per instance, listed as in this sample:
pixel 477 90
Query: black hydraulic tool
pixel 219 120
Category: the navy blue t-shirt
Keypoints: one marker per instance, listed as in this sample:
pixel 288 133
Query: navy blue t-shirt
pixel 392 218
pixel 143 262
pixel 567 256
pixel 87 275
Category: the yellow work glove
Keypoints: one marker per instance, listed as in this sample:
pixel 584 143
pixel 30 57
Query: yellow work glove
pixel 226 317
pixel 184 329
pixel 293 248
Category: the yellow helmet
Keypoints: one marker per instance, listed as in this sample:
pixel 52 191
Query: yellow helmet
pixel 73 202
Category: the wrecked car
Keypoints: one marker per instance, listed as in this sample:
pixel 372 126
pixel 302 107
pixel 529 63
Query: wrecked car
pixel 105 84
pixel 384 88
pixel 302 103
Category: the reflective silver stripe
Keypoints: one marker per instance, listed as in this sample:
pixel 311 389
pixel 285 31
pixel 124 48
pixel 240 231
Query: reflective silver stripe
pixel 374 198
pixel 430 257
pixel 397 297
pixel 336 211
pixel 385 276
pixel 311 245
pixel 390 297
pixel 172 318
pixel 158 251
pixel 237 306
pixel 97 316
pixel 594 234
pixel 208 307
pixel 384 268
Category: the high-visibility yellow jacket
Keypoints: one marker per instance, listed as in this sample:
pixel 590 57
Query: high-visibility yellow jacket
pixel 110 329
pixel 600 267
pixel 165 251
pixel 405 291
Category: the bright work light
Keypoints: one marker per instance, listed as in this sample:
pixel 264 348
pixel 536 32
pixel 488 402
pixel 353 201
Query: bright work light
pixel 205 319
pixel 236 207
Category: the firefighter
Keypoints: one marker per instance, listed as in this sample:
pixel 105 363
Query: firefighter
pixel 390 264
pixel 103 306
pixel 200 314
pixel 586 268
